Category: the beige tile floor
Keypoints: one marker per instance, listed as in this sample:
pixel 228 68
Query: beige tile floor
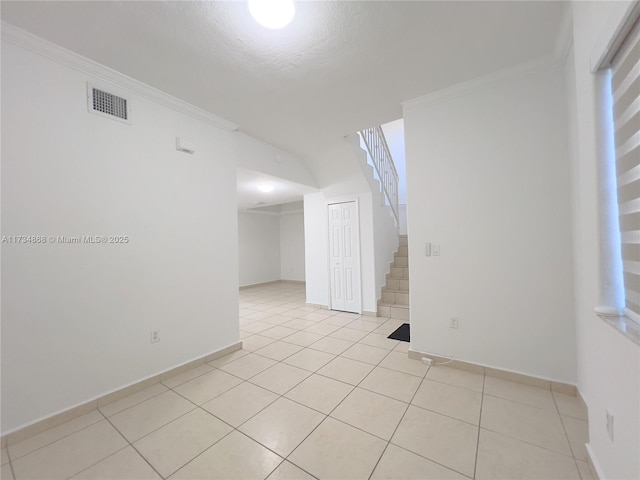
pixel 316 394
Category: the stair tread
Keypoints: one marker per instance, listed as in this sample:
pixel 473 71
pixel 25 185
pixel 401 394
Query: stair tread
pixel 398 305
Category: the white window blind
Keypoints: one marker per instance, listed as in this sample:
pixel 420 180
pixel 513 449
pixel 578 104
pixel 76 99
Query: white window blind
pixel 625 88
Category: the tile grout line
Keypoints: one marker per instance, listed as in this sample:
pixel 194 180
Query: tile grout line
pixel 102 460
pixel 279 397
pixel 437 413
pixel 328 415
pixel 233 428
pixel 129 444
pixel 196 407
pixel 398 425
pixel 358 385
pixel 475 463
pixel 564 429
pixel 13 473
pixel 366 333
pixel 527 442
pixel 52 442
pixel 389 442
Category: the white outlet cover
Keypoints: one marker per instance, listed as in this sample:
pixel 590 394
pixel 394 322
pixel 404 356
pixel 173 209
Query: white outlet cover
pixel 610 425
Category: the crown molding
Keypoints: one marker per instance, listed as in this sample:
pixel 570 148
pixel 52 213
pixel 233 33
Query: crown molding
pixel 271 214
pixel 291 212
pixel 33 43
pixel 484 83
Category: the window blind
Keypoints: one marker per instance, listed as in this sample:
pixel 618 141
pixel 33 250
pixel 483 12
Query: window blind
pixel 625 88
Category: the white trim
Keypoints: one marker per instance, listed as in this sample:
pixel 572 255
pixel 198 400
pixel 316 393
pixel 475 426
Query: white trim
pixel 273 214
pixel 41 424
pixel 254 212
pixel 460 363
pixel 614 31
pixel 593 463
pixel 631 315
pixel 483 83
pixel 335 201
pixel 40 46
pixel 625 322
pixel 291 212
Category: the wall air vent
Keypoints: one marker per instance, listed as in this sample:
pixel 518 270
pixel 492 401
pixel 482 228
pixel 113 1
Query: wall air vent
pixel 107 104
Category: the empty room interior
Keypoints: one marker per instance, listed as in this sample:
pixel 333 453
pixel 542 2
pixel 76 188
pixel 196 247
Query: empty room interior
pixel 286 239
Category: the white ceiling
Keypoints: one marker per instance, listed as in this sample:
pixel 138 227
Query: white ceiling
pixel 284 191
pixel 337 68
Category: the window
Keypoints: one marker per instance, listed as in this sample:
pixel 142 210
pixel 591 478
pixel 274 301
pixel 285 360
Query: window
pixel 625 91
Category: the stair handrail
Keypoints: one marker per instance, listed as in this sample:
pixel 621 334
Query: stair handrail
pixel 380 155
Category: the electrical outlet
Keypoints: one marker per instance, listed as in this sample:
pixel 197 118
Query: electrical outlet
pixel 155 336
pixel 610 425
pixel 453 323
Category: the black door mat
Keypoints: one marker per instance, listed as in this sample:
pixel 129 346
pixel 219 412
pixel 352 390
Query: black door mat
pixel 402 333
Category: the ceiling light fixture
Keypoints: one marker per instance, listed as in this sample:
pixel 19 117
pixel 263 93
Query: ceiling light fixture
pixel 265 187
pixel 272 14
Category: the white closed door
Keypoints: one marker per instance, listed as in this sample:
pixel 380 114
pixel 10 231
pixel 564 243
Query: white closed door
pixel 344 257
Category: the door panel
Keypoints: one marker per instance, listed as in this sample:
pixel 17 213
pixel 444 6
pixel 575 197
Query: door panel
pixel 344 257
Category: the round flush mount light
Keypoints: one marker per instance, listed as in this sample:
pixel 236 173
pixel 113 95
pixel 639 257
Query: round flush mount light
pixel 265 187
pixel 272 14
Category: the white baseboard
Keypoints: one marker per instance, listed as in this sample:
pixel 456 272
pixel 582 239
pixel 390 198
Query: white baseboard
pixel 593 463
pixel 61 417
pixel 518 377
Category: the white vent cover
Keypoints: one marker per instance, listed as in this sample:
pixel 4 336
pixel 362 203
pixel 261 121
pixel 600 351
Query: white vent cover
pixel 108 104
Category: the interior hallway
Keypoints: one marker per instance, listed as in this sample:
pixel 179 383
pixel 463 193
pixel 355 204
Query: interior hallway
pixel 316 393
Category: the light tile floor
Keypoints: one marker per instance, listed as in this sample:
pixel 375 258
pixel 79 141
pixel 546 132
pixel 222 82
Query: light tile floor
pixel 316 394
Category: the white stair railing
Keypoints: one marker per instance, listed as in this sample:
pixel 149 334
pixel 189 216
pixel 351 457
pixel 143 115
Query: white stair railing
pixel 383 163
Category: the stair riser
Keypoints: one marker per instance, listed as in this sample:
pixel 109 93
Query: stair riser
pixel 392 284
pixel 395 294
pixel 400 273
pixel 397 285
pixel 395 298
pixel 400 313
pixel 401 262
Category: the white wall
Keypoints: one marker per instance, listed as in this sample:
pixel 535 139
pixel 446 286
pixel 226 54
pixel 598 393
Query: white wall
pixel 258 248
pixel 271 244
pixel 263 157
pixel 402 214
pixel 316 248
pixel 292 246
pixel 608 362
pixel 488 179
pixel 76 319
pixel 385 242
pixel 394 134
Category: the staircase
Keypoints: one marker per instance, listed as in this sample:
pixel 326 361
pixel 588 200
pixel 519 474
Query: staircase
pixel 395 294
